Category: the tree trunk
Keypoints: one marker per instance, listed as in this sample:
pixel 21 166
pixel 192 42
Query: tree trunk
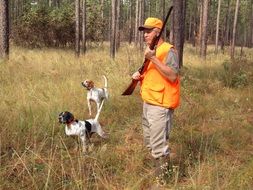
pixel 164 15
pixel 117 25
pixel 195 26
pixel 204 30
pixel 179 28
pixel 77 33
pixel 251 25
pixel 4 29
pixel 84 27
pixel 172 28
pixel 136 33
pixel 190 27
pixel 234 30
pixel 131 25
pixel 227 37
pixel 113 30
pixel 141 21
pixel 194 32
pixel 149 8
pixel 102 11
pixel 200 23
pixel 217 28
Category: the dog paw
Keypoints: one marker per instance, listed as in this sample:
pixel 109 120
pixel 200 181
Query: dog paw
pixel 91 147
pixel 85 153
pixel 103 148
pixel 105 136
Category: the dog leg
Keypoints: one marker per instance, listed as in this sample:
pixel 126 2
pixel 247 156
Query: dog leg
pixel 100 131
pixel 98 107
pixel 89 106
pixel 99 110
pixel 84 144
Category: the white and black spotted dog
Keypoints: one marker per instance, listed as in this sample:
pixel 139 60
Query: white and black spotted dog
pixel 83 129
pixel 95 94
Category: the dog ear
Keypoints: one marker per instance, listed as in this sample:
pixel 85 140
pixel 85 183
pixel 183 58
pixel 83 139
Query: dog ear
pixel 91 84
pixel 69 117
pixel 61 114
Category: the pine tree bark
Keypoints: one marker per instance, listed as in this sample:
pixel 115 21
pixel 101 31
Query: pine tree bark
pixel 131 21
pixel 102 11
pixel 117 39
pixel 113 30
pixel 200 23
pixel 84 26
pixel 164 15
pixel 141 21
pixel 217 27
pixel 232 54
pixel 4 29
pixel 227 29
pixel 251 25
pixel 204 30
pixel 136 33
pixel 179 11
pixel 77 32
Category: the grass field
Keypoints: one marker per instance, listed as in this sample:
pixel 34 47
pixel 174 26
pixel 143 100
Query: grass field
pixel 212 133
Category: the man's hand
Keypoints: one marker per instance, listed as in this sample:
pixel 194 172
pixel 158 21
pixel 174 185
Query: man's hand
pixel 136 75
pixel 149 53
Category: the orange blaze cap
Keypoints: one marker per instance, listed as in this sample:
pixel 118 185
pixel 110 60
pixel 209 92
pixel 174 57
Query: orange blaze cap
pixel 151 23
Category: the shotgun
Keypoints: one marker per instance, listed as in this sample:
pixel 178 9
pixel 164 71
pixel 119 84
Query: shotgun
pixel 145 64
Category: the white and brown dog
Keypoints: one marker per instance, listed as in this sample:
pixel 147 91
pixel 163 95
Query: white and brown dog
pixel 83 129
pixel 95 94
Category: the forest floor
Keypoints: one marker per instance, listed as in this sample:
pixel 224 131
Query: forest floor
pixel 211 136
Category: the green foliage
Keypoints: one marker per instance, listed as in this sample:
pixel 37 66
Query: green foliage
pixel 42 26
pixel 95 23
pixel 233 74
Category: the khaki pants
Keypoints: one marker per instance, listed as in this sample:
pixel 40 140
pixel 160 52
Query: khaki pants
pixel 156 123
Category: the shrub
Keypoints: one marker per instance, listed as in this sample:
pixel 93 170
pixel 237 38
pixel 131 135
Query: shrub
pixel 43 26
pixel 233 75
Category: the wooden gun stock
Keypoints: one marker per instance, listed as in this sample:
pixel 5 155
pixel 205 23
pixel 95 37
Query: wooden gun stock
pixel 145 64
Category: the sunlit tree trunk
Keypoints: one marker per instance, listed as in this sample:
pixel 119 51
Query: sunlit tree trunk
pixel 227 29
pixel 131 23
pixel 102 11
pixel 149 8
pixel 84 26
pixel 217 28
pixel 77 32
pixel 136 33
pixel 141 21
pixel 200 22
pixel 113 30
pixel 4 29
pixel 203 46
pixel 251 24
pixel 234 30
pixel 117 25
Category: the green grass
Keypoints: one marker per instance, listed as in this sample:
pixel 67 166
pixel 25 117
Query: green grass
pixel 212 133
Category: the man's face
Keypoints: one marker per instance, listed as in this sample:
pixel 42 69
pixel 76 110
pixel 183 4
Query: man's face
pixel 149 34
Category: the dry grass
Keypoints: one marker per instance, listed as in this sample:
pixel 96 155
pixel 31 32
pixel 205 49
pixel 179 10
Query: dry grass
pixel 212 133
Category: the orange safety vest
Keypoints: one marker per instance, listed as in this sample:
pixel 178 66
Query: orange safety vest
pixel 155 88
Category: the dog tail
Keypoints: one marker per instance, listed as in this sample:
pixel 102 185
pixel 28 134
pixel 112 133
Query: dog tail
pixel 99 110
pixel 105 81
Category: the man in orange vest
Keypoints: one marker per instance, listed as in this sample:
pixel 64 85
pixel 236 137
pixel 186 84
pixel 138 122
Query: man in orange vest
pixel 159 90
